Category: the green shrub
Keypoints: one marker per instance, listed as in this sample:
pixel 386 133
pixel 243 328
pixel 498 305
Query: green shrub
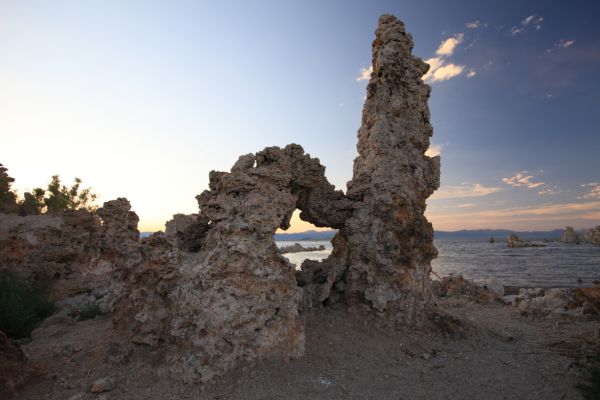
pixel 23 304
pixel 89 311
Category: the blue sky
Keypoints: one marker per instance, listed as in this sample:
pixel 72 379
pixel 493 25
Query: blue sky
pixel 143 99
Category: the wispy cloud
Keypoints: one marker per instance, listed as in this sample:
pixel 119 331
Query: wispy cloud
pixel 561 44
pixel 521 179
pixel 550 215
pixel 439 68
pixel 434 150
pixel 365 74
pixel 443 73
pixel 473 25
pixel 533 20
pixel 471 73
pixel 593 191
pixel 461 191
pixel 564 43
pixel 447 46
pixel 548 190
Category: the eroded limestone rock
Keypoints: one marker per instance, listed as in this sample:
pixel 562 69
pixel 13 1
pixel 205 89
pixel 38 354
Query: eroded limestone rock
pixel 237 298
pixel 386 246
pixel 79 251
pixel 50 247
pixel 593 235
pixel 179 223
pixel 188 230
pixel 515 241
pixel 558 301
pixel 570 236
pixel 298 248
pixel 222 293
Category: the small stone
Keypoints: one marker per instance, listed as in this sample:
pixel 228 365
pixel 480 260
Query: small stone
pixel 325 381
pixel 426 356
pixel 102 385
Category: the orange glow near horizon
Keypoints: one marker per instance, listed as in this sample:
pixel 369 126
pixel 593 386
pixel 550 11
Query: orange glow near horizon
pixel 296 225
pixel 543 217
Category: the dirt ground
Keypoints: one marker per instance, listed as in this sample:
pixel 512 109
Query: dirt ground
pixel 499 355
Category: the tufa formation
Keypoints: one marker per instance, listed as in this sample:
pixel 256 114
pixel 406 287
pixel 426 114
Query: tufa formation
pixel 383 251
pixel 214 290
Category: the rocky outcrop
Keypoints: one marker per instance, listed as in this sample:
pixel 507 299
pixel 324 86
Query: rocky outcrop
pixel 188 231
pixel 458 286
pixel 515 241
pixel 558 301
pixel 298 248
pixel 570 236
pixel 179 223
pixel 593 235
pixel 385 248
pixel 214 290
pixel 15 370
pixel 236 298
pixel 79 251
pixel 53 247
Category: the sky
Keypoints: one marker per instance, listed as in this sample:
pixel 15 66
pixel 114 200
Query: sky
pixel 142 99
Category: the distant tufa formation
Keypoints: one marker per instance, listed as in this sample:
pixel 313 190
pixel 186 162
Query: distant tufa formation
pixel 214 290
pixel 586 236
pixel 570 236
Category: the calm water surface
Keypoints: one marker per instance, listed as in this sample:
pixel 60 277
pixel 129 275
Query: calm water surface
pixel 298 258
pixel 557 264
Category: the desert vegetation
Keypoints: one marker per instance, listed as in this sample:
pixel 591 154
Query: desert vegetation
pixel 24 303
pixel 55 198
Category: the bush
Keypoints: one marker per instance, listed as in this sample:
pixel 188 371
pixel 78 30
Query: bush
pixel 60 198
pixel 23 304
pixel 54 199
pixel 8 198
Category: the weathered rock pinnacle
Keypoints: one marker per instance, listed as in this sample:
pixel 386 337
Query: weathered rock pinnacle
pixel 386 246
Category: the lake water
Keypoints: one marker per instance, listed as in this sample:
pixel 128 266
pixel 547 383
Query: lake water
pixel 555 265
pixel 298 258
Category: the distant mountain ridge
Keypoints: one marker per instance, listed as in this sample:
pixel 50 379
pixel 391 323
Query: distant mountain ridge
pixel 465 234
pixel 474 233
pixel 307 235
pixel 498 233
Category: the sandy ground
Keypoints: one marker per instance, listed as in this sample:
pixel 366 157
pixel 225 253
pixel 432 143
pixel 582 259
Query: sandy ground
pixel 500 355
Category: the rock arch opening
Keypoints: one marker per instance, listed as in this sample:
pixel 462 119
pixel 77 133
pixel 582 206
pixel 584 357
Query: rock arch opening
pixel 304 241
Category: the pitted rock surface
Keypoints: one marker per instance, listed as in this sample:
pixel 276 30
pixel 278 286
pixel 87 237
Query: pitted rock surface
pixel 593 235
pixel 80 251
pixel 386 246
pixel 214 290
pixel 236 298
pixel 188 231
